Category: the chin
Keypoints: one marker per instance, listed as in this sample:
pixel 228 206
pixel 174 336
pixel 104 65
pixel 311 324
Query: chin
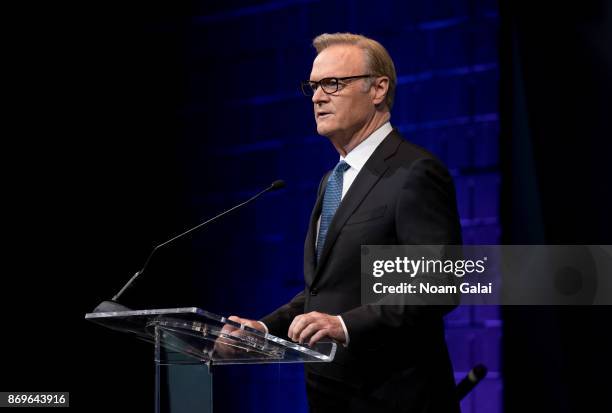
pixel 324 130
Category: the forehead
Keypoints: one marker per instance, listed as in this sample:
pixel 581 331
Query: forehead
pixel 338 61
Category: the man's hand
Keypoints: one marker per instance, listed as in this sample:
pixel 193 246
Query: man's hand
pixel 249 323
pixel 225 348
pixel 314 326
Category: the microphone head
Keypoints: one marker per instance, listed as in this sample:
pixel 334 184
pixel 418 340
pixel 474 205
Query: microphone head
pixel 279 184
pixel 480 371
pixel 477 373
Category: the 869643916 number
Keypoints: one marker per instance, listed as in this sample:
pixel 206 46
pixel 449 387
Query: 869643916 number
pixel 34 399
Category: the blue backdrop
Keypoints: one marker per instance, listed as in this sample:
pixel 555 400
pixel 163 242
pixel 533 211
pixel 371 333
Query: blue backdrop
pixel 247 124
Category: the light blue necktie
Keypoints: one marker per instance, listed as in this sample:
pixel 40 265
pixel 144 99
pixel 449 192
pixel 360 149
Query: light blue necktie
pixel 331 201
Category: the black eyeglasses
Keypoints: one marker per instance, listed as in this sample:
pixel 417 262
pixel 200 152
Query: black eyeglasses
pixel 329 84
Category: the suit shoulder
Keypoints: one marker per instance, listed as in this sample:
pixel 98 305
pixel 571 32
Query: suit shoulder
pixel 409 153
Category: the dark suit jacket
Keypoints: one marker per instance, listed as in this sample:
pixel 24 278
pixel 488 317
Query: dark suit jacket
pixel 402 195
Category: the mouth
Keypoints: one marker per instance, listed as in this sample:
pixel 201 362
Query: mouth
pixel 323 115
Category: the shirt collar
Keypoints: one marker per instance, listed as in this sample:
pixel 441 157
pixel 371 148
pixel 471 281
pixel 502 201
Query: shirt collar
pixel 362 152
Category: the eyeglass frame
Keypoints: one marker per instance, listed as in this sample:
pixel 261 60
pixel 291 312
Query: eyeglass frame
pixel 306 85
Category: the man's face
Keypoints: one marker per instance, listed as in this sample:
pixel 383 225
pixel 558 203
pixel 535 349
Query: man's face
pixel 342 114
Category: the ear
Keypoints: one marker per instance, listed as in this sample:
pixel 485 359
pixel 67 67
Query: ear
pixel 380 87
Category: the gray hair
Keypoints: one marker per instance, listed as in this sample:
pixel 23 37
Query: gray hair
pixel 378 60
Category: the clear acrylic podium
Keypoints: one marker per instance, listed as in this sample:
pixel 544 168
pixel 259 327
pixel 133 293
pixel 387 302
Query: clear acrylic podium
pixel 194 337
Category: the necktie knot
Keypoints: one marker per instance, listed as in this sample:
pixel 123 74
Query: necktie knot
pixel 341 167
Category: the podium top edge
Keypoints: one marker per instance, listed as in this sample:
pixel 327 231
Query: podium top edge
pixel 157 311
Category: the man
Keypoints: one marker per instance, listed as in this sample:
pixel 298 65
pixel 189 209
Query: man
pixel 384 190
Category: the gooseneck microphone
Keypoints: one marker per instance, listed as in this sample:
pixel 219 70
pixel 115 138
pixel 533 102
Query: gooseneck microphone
pixel 113 305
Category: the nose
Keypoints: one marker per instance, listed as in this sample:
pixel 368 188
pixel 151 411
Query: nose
pixel 319 96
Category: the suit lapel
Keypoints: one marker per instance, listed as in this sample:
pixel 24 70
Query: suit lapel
pixel 310 247
pixel 369 175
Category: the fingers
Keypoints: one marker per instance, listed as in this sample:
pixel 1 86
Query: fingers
pixel 237 319
pixel 299 323
pixel 228 328
pixel 236 331
pixel 310 327
pixel 293 327
pixel 317 336
pixel 245 321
